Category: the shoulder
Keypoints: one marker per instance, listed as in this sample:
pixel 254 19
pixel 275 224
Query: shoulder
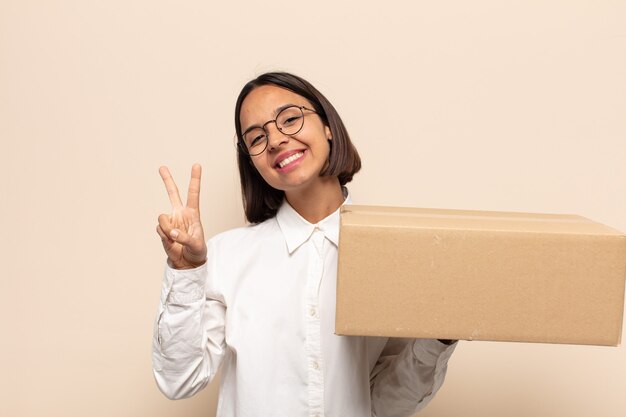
pixel 245 235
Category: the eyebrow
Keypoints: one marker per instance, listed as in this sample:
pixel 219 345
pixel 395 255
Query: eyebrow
pixel 276 111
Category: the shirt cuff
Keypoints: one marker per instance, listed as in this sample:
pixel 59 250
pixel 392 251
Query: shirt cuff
pixel 432 351
pixel 184 286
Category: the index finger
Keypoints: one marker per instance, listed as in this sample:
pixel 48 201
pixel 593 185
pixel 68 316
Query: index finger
pixel 193 195
pixel 170 186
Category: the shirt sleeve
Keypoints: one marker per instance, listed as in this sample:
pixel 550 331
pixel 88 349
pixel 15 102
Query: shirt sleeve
pixel 408 374
pixel 188 342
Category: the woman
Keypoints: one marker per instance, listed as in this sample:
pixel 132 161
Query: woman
pixel 259 301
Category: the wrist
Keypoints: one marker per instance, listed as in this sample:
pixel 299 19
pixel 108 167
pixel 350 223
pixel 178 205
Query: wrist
pixel 184 265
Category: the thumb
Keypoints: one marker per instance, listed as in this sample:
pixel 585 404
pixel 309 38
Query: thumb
pixel 180 236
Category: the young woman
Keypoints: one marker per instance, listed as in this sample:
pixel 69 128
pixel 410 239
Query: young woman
pixel 259 301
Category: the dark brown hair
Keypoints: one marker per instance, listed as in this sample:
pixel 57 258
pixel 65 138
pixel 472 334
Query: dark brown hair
pixel 260 200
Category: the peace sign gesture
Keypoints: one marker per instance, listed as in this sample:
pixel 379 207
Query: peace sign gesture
pixel 181 231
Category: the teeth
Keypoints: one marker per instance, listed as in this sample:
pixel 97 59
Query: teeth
pixel 290 159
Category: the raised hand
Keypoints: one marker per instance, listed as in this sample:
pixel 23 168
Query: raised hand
pixel 181 231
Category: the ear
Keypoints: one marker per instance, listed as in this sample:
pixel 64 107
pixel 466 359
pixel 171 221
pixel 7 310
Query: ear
pixel 329 134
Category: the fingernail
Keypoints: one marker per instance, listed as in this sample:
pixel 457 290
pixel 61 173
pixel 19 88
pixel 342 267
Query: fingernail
pixel 174 234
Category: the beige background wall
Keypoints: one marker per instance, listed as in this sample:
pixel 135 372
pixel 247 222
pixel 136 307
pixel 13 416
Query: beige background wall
pixel 476 105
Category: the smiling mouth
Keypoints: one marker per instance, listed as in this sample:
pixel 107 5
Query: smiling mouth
pixel 290 159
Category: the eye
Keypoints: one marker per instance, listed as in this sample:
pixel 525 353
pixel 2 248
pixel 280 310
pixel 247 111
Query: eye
pixel 291 120
pixel 256 140
pixel 254 137
pixel 290 117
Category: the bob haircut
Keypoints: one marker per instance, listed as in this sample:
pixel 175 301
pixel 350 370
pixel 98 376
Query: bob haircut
pixel 260 200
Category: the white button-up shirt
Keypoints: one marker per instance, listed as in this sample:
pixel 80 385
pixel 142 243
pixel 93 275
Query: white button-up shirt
pixel 263 308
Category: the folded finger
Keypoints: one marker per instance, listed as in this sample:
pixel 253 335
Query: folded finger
pixel 165 224
pixel 171 233
pixel 162 234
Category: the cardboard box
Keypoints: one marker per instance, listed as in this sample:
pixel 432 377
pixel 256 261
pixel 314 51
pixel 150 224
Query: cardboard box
pixel 476 275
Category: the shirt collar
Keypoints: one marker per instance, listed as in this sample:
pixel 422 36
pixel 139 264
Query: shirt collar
pixel 297 230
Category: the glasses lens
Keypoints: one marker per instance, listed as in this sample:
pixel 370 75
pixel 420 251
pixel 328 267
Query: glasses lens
pixel 255 141
pixel 290 120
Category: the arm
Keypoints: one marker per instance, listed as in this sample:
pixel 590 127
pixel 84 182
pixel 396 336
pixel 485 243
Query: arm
pixel 188 340
pixel 407 376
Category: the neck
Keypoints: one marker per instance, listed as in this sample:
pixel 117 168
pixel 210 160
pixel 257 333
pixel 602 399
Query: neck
pixel 318 201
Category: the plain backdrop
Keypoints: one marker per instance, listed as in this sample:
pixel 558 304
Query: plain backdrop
pixel 494 105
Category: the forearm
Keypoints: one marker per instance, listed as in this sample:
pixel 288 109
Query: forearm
pixel 188 336
pixel 410 379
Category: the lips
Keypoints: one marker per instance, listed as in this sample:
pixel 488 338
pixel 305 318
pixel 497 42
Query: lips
pixel 287 158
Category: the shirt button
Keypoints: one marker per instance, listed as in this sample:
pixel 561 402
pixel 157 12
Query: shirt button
pixel 316 365
pixel 312 312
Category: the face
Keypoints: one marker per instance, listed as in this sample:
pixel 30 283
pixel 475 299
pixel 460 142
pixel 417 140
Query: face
pixel 290 163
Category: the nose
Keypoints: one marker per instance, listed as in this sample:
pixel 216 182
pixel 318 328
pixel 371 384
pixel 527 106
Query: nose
pixel 275 137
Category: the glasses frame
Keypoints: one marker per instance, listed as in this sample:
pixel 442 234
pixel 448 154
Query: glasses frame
pixel 242 143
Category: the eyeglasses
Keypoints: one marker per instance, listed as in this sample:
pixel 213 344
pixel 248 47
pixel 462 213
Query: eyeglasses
pixel 289 121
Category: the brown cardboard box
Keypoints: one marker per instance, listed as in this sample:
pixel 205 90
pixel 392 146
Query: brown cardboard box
pixel 477 275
